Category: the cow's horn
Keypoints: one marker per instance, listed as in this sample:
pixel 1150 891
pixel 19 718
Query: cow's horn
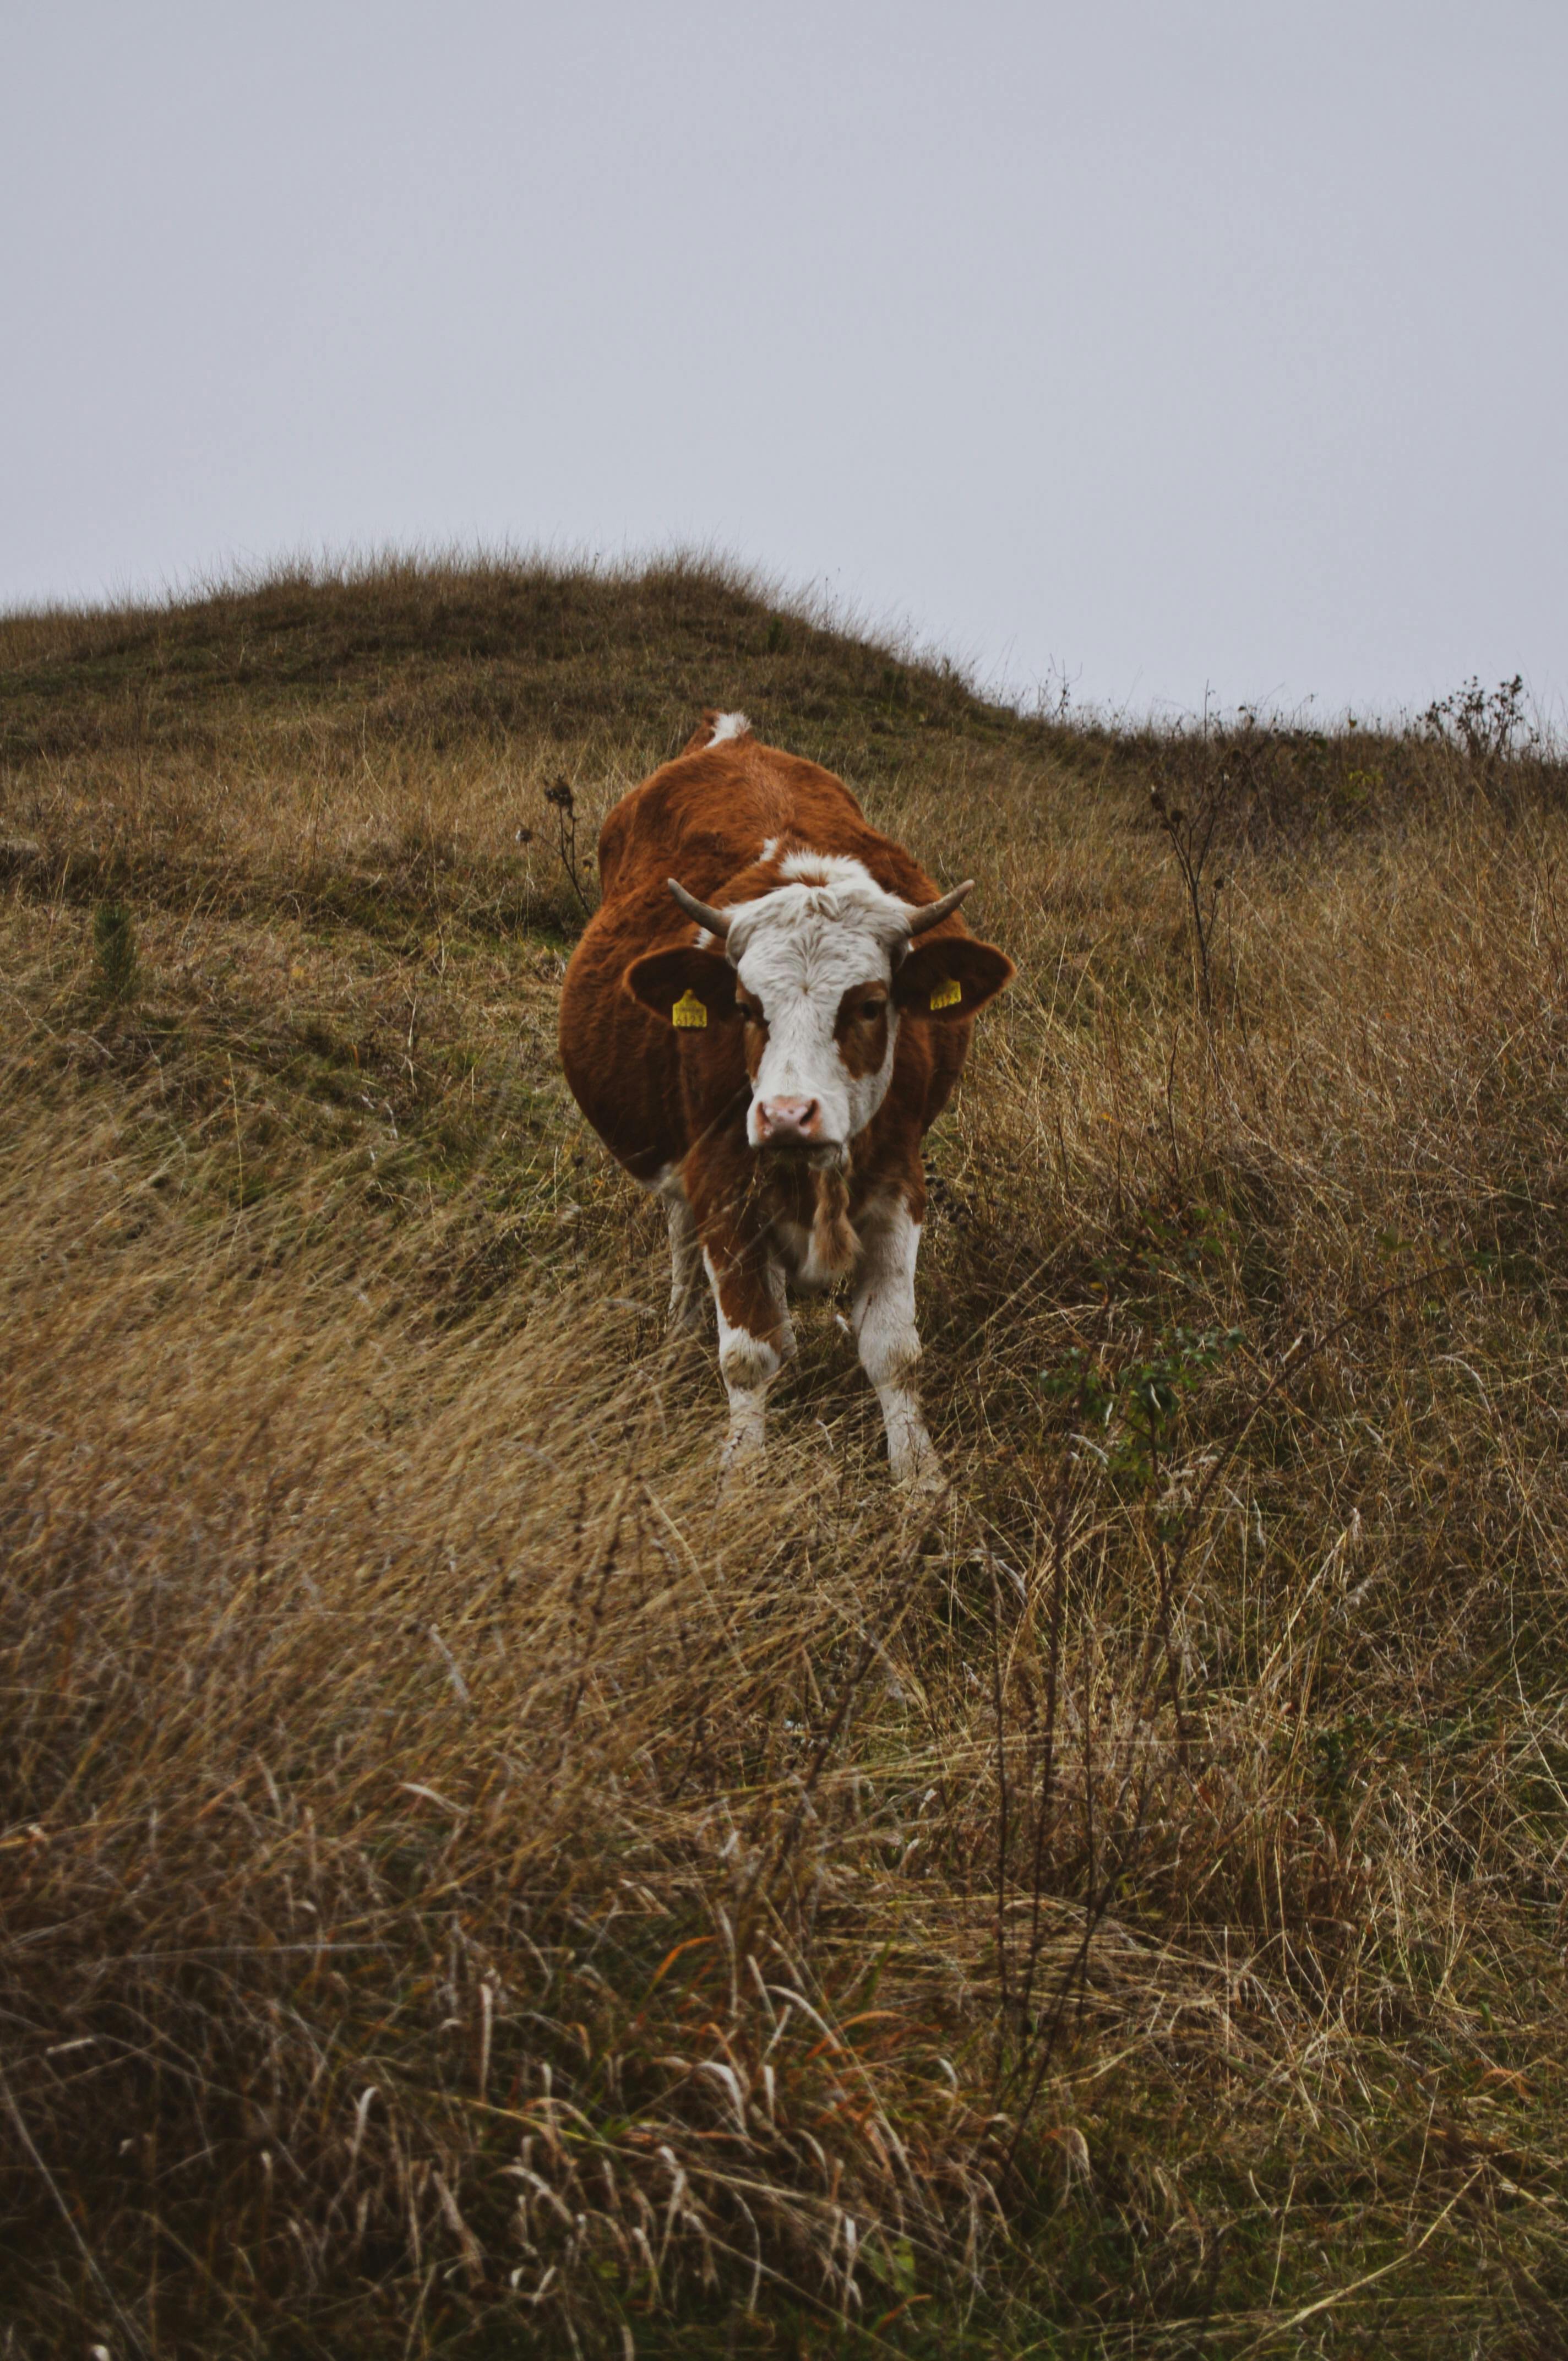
pixel 931 914
pixel 716 921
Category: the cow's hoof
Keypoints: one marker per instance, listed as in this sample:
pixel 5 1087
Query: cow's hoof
pixel 923 1488
pixel 737 1475
pixel 742 1455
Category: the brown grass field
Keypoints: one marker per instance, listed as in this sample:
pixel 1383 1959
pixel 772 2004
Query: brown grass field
pixel 467 1889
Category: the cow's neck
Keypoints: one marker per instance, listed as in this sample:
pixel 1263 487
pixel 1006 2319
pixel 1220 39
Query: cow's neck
pixel 809 1210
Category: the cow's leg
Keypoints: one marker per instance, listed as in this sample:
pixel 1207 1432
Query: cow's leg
pixel 883 1317
pixel 685 1258
pixel 755 1337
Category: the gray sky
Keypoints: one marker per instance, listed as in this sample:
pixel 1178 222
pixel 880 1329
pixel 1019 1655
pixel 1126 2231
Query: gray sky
pixel 1174 344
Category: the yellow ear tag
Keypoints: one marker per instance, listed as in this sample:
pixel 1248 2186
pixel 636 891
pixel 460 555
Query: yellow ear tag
pixel 688 1010
pixel 947 995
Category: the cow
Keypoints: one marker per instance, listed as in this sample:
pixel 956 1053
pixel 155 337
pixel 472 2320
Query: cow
pixel 763 1019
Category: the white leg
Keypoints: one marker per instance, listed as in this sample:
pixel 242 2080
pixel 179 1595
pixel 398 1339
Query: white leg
pixel 883 1317
pixel 748 1364
pixel 686 1260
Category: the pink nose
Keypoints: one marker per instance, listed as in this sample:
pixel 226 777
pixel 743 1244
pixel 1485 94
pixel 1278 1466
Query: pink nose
pixel 782 1121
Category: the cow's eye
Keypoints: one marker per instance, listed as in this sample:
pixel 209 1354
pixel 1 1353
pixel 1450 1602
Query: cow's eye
pixel 870 1010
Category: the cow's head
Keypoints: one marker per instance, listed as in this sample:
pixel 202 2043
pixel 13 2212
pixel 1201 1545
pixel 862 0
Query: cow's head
pixel 821 971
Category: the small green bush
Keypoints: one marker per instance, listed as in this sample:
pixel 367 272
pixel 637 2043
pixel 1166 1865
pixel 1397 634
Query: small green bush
pixel 114 946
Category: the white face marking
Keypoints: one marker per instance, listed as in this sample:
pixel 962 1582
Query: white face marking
pixel 728 726
pixel 797 950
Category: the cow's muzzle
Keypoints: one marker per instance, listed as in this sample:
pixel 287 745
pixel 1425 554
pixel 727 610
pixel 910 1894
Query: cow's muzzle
pixel 789 1123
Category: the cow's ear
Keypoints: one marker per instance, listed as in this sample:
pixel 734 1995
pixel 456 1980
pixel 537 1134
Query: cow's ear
pixel 948 980
pixel 687 987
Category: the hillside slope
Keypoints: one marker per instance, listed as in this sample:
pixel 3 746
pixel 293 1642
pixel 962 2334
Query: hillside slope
pixel 465 1888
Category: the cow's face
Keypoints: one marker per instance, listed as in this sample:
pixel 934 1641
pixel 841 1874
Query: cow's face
pixel 818 974
pixel 814 984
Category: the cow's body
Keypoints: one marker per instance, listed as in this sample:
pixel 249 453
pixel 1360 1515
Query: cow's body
pixel 774 1083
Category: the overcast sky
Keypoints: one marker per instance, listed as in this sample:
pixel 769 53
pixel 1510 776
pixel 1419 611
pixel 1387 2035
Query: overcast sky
pixel 1178 347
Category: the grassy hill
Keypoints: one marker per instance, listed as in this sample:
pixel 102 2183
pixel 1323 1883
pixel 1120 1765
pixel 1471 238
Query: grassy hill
pixel 464 1888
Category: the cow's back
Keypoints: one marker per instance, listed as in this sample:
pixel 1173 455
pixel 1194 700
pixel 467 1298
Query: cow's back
pixel 707 815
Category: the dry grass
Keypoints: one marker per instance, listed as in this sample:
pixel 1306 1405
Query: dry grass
pixel 465 1889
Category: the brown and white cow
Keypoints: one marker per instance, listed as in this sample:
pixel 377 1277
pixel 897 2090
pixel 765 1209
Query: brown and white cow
pixel 767 1013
